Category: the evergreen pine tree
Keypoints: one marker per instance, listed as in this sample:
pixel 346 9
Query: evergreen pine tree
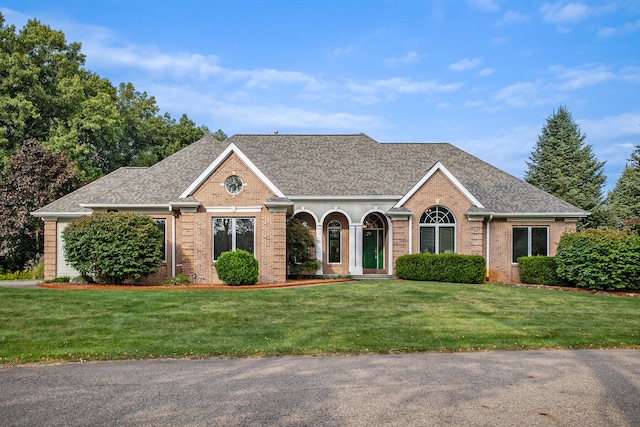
pixel 624 199
pixel 562 165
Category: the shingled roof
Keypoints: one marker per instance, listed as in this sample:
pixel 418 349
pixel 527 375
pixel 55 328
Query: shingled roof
pixel 320 166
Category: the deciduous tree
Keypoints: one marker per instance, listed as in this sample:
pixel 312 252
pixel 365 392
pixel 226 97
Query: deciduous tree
pixel 33 177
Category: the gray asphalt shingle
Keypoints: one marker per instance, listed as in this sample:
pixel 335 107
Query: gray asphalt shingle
pixel 320 165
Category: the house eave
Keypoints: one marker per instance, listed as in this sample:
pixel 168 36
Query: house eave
pixel 527 216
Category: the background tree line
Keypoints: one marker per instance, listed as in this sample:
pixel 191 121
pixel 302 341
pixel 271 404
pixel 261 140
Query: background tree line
pixel 62 126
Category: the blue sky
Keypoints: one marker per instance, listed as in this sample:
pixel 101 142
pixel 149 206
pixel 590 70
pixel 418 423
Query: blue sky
pixel 483 75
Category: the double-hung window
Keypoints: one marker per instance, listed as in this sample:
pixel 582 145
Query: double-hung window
pixel 230 234
pixel 530 241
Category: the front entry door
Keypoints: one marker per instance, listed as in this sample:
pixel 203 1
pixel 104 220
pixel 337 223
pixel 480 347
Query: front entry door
pixel 373 249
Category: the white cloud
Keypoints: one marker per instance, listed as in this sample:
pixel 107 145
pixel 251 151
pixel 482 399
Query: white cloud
pixel 512 17
pixel 400 85
pixel 629 27
pixel 409 58
pixel 486 72
pixel 527 94
pixel 558 13
pixel 465 64
pixel 577 78
pixel 486 5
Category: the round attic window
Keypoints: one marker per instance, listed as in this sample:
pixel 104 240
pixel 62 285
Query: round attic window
pixel 233 184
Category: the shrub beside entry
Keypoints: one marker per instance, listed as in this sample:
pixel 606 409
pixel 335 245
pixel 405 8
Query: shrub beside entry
pixel 237 268
pixel 452 268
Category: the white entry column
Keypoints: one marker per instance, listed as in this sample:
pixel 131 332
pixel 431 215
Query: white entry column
pixel 319 247
pixel 355 249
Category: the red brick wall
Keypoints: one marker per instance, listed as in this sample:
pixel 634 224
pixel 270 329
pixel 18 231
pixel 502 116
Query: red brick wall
pixel 194 238
pixel 438 190
pixel 502 269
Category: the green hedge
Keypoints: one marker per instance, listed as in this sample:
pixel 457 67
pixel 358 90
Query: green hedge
pixel 452 268
pixel 597 259
pixel 237 268
pixel 539 270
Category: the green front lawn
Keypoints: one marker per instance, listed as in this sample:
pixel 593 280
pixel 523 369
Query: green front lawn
pixel 343 318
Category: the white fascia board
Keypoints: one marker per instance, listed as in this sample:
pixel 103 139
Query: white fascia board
pixel 231 148
pixel 53 216
pixel 440 167
pixel 150 208
pixel 342 198
pixel 233 209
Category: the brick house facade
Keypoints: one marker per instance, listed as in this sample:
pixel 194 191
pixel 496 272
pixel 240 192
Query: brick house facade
pixel 365 203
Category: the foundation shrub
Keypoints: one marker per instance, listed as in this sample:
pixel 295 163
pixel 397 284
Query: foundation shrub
pixel 113 247
pixel 539 270
pixel 237 268
pixel 452 268
pixel 600 259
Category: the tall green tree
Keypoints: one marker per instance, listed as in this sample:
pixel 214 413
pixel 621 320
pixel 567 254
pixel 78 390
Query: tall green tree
pixel 47 94
pixel 624 199
pixel 34 176
pixel 563 165
pixel 35 63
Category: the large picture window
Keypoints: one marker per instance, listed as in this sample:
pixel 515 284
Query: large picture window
pixel 437 231
pixel 230 234
pixel 161 223
pixel 334 242
pixel 530 241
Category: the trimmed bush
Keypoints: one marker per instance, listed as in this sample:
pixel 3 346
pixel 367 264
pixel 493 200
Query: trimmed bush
pixel 16 275
pixel 452 268
pixel 599 259
pixel 237 268
pixel 539 270
pixel 113 247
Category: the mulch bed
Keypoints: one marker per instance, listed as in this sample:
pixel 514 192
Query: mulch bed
pixel 199 286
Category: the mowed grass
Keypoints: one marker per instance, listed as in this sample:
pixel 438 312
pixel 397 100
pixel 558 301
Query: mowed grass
pixel 343 318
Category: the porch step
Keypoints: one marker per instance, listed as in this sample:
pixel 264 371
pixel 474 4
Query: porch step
pixel 372 277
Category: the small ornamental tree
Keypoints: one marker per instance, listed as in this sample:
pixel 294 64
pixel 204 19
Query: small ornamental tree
pixel 299 241
pixel 33 177
pixel 113 247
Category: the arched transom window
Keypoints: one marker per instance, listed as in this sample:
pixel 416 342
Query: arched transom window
pixel 437 231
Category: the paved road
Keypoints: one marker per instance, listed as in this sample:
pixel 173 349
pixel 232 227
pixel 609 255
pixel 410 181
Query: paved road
pixel 533 388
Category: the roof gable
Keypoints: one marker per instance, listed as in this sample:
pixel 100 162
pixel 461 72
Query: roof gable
pixel 435 168
pixel 231 148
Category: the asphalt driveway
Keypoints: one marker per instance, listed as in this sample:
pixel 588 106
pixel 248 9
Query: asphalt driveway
pixel 531 388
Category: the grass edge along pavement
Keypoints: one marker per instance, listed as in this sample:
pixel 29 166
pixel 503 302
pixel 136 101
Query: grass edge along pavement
pixel 377 317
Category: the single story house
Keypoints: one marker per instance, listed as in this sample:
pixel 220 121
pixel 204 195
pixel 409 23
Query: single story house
pixel 366 203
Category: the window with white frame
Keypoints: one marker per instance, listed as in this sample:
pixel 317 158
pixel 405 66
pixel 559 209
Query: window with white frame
pixel 161 223
pixel 437 231
pixel 334 242
pixel 529 241
pixel 230 234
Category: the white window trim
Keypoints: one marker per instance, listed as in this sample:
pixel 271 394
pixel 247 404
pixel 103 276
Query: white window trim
pixel 163 221
pixel 437 227
pixel 529 228
pixel 437 236
pixel 329 228
pixel 233 234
